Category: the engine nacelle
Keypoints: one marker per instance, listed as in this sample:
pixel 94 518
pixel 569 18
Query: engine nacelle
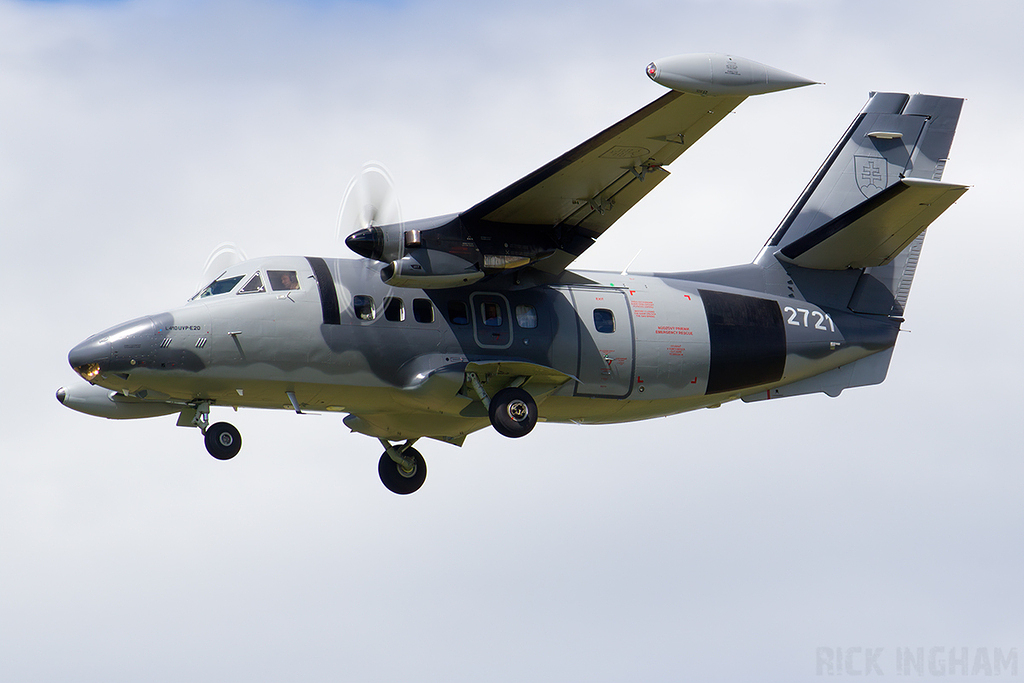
pixel 430 269
pixel 93 399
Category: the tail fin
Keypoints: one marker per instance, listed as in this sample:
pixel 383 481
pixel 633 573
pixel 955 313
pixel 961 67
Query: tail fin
pixel 868 205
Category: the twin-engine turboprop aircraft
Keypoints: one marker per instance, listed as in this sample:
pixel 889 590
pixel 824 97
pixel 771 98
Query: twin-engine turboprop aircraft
pixel 451 324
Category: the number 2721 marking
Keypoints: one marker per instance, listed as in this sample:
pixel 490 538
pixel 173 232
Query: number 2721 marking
pixel 802 317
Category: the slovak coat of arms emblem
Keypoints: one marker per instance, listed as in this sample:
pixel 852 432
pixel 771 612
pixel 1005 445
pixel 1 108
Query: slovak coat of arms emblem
pixel 872 174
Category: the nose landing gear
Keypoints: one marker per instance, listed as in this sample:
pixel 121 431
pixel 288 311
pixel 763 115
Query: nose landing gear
pixel 222 440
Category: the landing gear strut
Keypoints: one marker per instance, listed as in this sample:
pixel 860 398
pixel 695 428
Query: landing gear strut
pixel 402 469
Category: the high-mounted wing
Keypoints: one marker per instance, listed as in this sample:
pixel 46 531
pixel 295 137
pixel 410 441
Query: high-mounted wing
pixel 551 216
pixel 582 193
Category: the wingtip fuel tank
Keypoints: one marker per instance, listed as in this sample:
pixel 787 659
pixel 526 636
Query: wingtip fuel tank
pixel 718 74
pixel 93 399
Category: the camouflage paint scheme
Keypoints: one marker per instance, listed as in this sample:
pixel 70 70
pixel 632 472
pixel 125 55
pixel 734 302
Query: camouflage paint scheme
pixel 819 310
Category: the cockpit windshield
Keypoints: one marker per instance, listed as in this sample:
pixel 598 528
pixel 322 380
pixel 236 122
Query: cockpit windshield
pixel 221 286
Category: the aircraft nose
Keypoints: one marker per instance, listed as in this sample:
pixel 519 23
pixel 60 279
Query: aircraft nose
pixel 90 357
pixel 119 349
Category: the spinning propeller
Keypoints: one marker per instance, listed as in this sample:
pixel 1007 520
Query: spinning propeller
pixel 371 216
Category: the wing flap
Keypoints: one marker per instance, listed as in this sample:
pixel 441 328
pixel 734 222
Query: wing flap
pixel 614 201
pixel 876 231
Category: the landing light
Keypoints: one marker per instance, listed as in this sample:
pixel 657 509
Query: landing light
pixel 88 371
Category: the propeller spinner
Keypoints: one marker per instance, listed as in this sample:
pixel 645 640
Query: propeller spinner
pixel 372 216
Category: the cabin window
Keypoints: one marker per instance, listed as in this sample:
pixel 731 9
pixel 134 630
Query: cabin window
pixel 283 279
pixel 604 320
pixel 490 313
pixel 363 307
pixel 458 313
pixel 423 310
pixel 255 284
pixel 526 316
pixel 219 286
pixel 394 310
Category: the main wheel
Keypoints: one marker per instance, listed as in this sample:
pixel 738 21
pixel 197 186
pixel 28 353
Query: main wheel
pixel 513 412
pixel 223 440
pixel 396 479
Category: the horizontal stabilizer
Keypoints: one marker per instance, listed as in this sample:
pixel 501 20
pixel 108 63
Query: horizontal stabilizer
pixel 875 231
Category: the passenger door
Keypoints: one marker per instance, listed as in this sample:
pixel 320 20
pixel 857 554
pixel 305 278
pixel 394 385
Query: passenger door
pixel 606 343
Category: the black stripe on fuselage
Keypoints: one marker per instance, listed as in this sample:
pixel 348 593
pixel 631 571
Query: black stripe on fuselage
pixel 328 293
pixel 748 341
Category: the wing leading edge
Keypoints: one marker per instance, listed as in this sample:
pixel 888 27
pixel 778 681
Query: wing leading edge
pixel 582 193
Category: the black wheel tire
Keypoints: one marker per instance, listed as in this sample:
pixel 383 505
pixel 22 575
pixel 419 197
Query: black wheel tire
pixel 513 412
pixel 395 480
pixel 222 440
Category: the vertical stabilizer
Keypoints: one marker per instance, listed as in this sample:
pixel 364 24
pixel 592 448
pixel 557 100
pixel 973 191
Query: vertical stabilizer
pixel 868 205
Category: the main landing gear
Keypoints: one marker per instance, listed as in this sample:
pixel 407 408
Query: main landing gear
pixel 401 468
pixel 223 441
pixel 512 410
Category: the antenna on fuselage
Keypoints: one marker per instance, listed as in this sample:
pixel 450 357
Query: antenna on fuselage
pixel 630 262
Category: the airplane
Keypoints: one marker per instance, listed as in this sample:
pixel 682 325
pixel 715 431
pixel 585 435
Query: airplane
pixel 449 325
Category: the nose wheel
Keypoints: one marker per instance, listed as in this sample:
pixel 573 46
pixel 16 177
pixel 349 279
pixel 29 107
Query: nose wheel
pixel 222 440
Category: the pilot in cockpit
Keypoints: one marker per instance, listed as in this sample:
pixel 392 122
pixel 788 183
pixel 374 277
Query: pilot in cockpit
pixel 283 279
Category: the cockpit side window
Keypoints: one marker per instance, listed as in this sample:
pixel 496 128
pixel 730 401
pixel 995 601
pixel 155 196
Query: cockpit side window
pixel 222 286
pixel 283 279
pixel 255 284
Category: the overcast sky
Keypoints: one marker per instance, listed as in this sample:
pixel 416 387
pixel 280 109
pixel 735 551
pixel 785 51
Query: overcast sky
pixel 735 544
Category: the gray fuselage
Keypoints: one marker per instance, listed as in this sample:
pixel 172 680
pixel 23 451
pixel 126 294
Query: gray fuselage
pixel 592 347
